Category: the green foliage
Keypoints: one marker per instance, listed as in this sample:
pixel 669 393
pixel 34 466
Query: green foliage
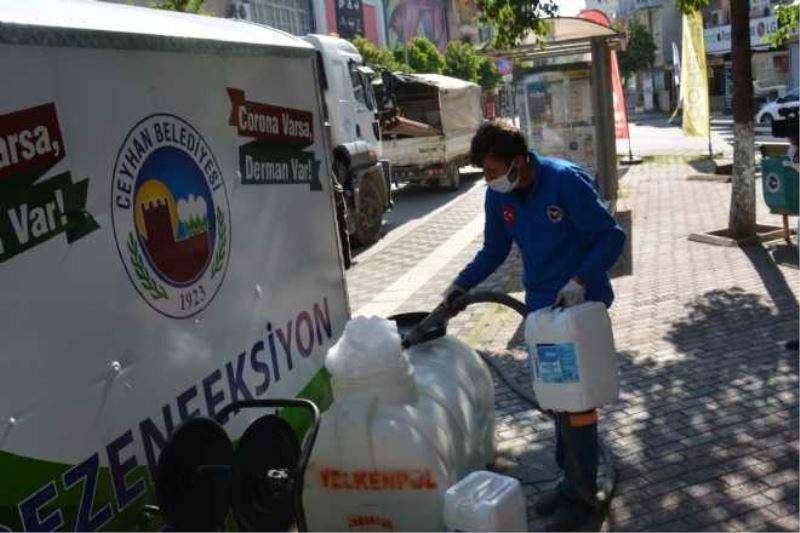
pixel 788 17
pixel 513 20
pixel 422 56
pixel 379 58
pixel 148 284
pixel 489 76
pixel 461 61
pixel 687 7
pixel 640 52
pixel 186 6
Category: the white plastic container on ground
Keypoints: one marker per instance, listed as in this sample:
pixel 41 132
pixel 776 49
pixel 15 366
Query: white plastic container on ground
pixel 572 357
pixel 485 501
pixel 404 426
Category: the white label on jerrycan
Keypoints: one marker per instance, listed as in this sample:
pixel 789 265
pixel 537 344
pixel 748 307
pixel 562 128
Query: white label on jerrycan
pixel 572 357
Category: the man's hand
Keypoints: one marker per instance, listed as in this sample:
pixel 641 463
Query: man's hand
pixel 573 293
pixel 451 295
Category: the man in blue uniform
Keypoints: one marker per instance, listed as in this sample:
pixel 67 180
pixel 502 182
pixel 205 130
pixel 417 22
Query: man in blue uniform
pixel 568 242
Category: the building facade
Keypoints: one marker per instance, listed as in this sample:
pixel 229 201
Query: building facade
pixel 388 23
pixel 774 70
pixel 654 89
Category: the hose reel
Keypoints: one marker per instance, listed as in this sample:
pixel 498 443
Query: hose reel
pixel 201 476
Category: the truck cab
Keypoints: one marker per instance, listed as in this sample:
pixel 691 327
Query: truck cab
pixel 352 122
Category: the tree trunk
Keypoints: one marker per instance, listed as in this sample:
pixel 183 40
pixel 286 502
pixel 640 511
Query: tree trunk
pixel 742 222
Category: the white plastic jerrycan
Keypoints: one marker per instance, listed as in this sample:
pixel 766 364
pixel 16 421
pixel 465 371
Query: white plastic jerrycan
pixel 572 357
pixel 391 443
pixel 485 501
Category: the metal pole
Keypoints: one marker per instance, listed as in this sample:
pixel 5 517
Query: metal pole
pixel 710 151
pixel 630 150
pixel 604 116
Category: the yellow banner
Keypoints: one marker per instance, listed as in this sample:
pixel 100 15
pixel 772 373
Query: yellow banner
pixel 694 78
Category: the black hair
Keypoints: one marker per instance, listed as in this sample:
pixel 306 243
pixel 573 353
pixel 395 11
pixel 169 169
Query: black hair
pixel 498 138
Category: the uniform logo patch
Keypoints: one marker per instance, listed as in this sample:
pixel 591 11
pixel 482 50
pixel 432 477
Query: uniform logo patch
pixel 773 183
pixel 509 215
pixel 555 214
pixel 170 215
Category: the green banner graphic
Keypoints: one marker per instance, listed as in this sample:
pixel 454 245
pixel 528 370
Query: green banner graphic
pixel 89 502
pixel 33 214
pixel 262 162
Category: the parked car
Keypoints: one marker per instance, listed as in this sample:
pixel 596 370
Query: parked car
pixel 769 111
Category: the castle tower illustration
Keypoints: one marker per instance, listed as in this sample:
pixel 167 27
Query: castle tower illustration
pixel 175 235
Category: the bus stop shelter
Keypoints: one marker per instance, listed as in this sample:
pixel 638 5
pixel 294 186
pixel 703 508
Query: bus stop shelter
pixel 564 95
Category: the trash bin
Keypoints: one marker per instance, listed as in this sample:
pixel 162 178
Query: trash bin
pixel 780 185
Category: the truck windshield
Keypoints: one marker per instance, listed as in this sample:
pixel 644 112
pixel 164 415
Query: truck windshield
pixel 362 86
pixel 358 84
pixel 367 80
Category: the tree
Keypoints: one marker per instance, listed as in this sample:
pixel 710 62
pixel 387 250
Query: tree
pixel 380 58
pixel 640 52
pixel 513 20
pixel 186 6
pixel 788 17
pixel 421 55
pixel 461 61
pixel 742 218
pixel 488 75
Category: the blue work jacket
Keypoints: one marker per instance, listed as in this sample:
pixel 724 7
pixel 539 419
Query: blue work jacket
pixel 562 229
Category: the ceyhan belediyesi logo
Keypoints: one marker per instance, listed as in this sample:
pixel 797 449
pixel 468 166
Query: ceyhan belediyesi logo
pixel 170 215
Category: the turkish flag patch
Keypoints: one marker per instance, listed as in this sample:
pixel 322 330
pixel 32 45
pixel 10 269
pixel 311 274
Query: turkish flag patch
pixel 509 215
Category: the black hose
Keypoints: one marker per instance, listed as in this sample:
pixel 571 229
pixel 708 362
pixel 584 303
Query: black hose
pixel 522 392
pixel 493 297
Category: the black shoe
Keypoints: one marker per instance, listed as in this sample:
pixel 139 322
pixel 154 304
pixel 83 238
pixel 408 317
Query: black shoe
pixel 791 345
pixel 548 503
pixel 570 515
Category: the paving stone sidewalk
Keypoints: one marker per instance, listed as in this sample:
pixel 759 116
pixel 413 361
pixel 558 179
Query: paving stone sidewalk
pixel 705 435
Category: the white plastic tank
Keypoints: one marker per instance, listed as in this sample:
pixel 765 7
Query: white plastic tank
pixel 455 375
pixel 572 357
pixel 485 501
pixel 403 428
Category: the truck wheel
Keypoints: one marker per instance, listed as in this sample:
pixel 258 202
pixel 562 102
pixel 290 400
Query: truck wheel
pixel 370 213
pixel 341 224
pixel 453 177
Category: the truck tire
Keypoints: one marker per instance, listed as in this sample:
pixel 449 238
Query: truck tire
pixel 453 176
pixel 369 218
pixel 341 222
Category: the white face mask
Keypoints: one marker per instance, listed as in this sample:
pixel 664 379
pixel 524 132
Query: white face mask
pixel 505 182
